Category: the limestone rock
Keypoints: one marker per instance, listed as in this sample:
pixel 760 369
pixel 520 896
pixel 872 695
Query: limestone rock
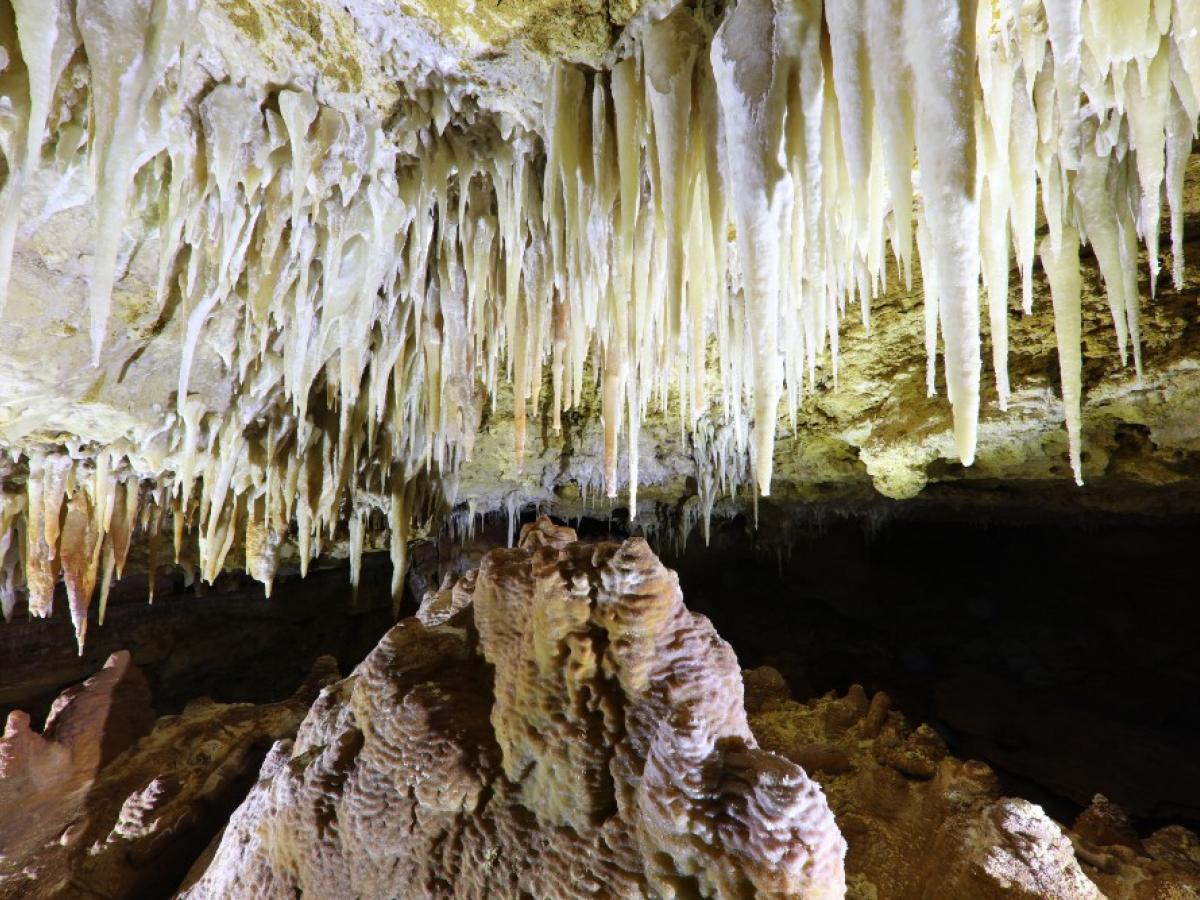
pixel 1105 824
pixel 103 805
pixel 1009 849
pixel 45 778
pixel 574 732
pixel 920 824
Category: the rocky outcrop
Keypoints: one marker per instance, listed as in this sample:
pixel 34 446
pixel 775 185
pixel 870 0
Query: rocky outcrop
pixel 921 824
pixel 45 778
pixel 553 724
pixel 571 731
pixel 107 803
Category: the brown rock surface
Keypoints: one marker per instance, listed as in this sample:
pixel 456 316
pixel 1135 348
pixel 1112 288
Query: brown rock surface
pixel 45 778
pixel 107 803
pixel 576 732
pixel 921 824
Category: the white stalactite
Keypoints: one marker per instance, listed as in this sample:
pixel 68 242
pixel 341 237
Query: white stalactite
pixel 941 45
pixel 1062 271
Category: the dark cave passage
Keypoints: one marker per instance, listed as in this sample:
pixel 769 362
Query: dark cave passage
pixel 1062 652
pixel 226 641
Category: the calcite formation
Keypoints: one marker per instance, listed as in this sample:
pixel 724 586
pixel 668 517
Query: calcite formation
pixel 555 725
pixel 109 803
pixel 313 256
pixel 919 823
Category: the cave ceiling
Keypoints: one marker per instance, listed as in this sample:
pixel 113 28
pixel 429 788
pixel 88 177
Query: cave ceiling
pixel 279 276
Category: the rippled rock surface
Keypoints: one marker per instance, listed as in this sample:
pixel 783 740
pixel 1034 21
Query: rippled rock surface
pixel 556 724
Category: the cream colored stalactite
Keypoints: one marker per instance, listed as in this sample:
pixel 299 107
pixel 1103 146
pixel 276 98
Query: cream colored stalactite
pixel 12 516
pixel 848 24
pixel 806 130
pixel 1022 151
pixel 77 521
pixel 1062 271
pixel 79 547
pixel 993 124
pixel 929 284
pixel 669 54
pixel 1098 215
pixel 941 44
pixel 130 44
pixel 1180 128
pixel 1148 95
pixel 752 85
pixel 47 39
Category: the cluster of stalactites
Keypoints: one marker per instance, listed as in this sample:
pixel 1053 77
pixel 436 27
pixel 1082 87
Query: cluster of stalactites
pixel 687 230
pixel 72 523
pixel 961 110
pixel 343 274
pixel 76 519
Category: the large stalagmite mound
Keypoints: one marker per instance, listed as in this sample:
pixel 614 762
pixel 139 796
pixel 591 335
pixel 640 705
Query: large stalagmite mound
pixel 556 725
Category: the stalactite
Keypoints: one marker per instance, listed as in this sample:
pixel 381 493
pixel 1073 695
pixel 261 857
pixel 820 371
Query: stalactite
pixel 1062 271
pixel 683 231
pixel 940 37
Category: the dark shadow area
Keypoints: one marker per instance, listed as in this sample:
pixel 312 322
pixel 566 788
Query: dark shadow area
pixel 1065 653
pixel 226 641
